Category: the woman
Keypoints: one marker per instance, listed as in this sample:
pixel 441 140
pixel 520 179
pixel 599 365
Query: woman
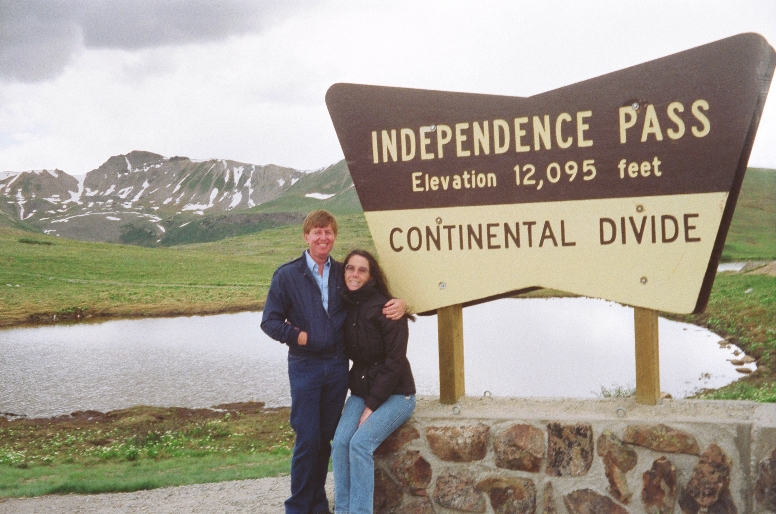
pixel 382 389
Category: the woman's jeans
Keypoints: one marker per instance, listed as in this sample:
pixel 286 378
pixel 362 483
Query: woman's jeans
pixel 352 449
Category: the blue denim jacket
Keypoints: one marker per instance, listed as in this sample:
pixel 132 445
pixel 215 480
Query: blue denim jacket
pixel 294 304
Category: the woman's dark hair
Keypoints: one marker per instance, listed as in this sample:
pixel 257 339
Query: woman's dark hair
pixel 375 273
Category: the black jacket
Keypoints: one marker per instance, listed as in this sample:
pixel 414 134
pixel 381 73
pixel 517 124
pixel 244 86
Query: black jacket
pixel 378 348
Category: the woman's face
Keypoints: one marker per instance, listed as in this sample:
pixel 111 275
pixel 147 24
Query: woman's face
pixel 356 272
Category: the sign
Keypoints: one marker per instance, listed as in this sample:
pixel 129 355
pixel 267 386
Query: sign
pixel 620 187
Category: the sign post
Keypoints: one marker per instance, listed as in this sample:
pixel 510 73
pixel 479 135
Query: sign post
pixel 450 335
pixel 647 356
pixel 620 187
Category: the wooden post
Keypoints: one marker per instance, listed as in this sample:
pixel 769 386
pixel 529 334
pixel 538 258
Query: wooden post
pixel 450 330
pixel 647 356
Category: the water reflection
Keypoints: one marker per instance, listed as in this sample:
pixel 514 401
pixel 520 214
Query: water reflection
pixel 515 347
pixel 730 266
pixel 572 347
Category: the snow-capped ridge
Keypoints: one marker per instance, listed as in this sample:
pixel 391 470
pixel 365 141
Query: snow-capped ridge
pixel 142 192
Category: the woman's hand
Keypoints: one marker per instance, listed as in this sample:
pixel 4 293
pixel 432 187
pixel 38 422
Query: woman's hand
pixel 395 308
pixel 367 412
pixel 302 339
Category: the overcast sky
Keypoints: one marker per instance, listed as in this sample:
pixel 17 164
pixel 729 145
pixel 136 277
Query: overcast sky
pixel 245 80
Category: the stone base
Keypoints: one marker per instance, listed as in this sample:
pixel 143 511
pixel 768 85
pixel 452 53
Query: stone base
pixel 529 455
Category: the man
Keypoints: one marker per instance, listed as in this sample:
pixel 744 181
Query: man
pixel 304 309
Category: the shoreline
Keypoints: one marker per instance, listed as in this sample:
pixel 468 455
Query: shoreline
pixel 81 316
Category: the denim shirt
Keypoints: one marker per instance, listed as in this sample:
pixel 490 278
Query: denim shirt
pixel 323 281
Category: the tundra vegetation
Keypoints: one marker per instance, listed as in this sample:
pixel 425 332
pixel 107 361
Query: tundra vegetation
pixel 46 280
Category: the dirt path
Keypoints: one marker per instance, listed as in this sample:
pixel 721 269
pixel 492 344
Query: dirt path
pixel 264 496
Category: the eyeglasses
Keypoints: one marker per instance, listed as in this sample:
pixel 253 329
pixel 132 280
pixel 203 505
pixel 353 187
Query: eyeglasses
pixel 349 268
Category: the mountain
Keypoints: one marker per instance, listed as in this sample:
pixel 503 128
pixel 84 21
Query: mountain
pixel 147 199
pixel 33 191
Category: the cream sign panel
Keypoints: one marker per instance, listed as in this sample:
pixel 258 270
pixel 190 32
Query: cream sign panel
pixel 621 187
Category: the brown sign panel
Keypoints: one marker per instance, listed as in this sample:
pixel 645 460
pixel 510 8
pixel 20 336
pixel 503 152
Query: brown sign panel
pixel 620 187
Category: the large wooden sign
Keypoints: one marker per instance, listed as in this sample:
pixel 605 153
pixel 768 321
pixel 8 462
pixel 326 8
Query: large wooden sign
pixel 621 187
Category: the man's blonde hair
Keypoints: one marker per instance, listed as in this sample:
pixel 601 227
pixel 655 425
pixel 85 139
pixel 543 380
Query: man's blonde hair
pixel 319 219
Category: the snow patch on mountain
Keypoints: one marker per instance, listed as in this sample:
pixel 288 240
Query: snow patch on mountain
pixel 201 207
pixel 238 173
pixel 178 186
pixel 249 183
pixel 123 193
pixel 139 194
pixel 75 196
pixel 319 196
pixel 14 179
pixel 236 199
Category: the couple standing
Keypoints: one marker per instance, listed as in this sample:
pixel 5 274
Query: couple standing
pixel 328 312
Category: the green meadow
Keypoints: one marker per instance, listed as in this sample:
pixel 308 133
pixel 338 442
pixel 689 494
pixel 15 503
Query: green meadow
pixel 45 279
pixel 752 234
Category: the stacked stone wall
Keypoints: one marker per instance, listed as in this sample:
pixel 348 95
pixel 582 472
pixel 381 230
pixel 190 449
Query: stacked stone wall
pixel 492 455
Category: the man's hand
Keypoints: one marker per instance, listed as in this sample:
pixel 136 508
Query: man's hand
pixel 302 339
pixel 395 308
pixel 367 412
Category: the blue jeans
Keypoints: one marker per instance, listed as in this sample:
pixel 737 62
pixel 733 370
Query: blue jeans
pixel 353 446
pixel 319 386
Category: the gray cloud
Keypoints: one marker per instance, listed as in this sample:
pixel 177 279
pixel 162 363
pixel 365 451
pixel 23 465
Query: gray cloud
pixel 39 37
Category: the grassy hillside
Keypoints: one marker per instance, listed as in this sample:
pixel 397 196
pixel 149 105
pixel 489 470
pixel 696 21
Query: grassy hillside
pixel 43 277
pixel 7 220
pixel 752 234
pixel 224 226
pixel 333 180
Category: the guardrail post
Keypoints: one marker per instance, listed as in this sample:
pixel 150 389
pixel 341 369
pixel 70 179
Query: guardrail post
pixel 450 333
pixel 647 356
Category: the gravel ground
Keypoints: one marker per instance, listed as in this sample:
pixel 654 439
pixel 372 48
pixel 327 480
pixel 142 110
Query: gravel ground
pixel 263 496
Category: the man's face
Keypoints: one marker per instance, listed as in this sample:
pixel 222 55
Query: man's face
pixel 320 240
